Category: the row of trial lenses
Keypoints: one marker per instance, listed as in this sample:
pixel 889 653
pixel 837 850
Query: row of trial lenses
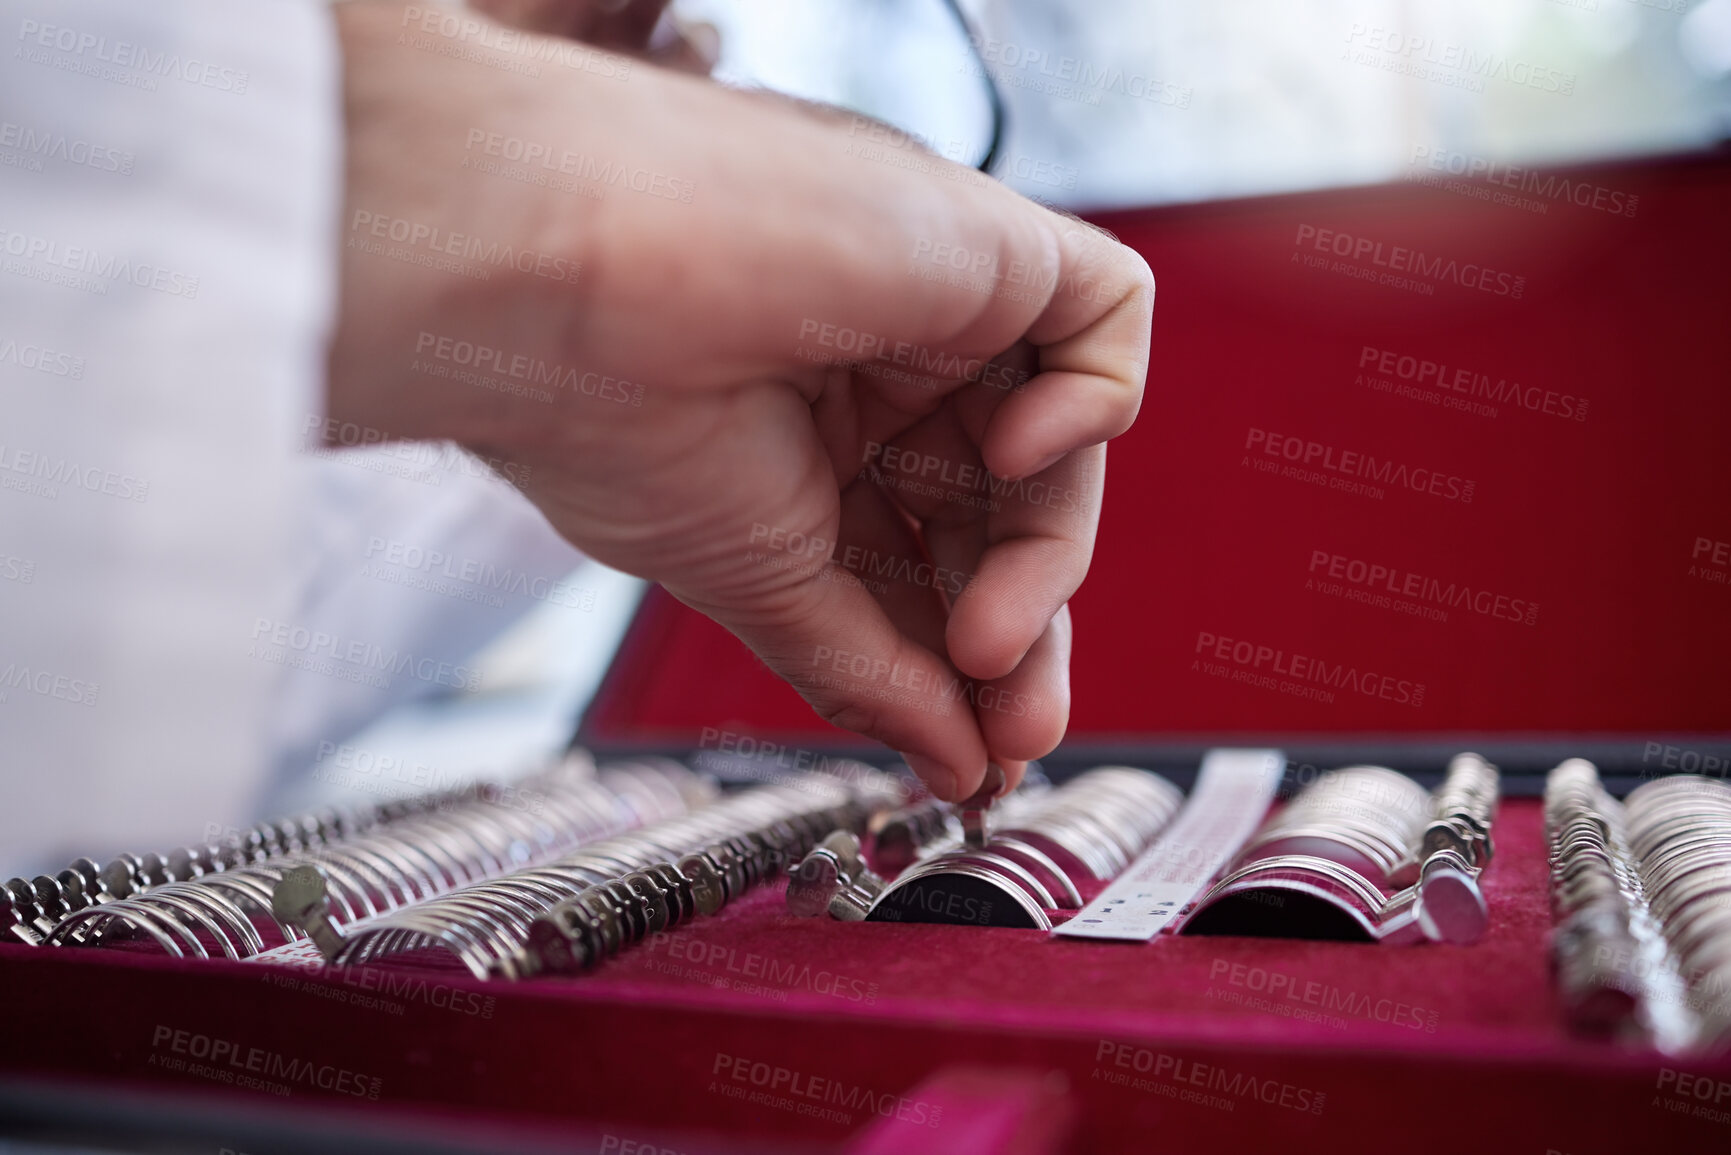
pixel 1455 847
pixel 746 836
pixel 1611 959
pixel 397 864
pixel 1401 862
pixel 1086 830
pixel 1366 818
pixel 1096 823
pixel 29 910
pixel 1680 832
pixel 578 933
pixel 1464 807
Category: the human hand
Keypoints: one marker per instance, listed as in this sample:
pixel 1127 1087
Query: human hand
pixel 692 432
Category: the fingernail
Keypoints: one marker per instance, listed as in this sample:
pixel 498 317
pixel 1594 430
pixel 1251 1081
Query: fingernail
pixel 939 779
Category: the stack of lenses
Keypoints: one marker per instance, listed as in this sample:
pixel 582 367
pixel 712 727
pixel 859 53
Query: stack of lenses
pixel 1605 950
pixel 422 854
pixel 1084 831
pixel 1366 818
pixel 1464 807
pixel 1096 823
pixel 611 893
pixel 1680 833
pixel 30 910
pixel 1366 853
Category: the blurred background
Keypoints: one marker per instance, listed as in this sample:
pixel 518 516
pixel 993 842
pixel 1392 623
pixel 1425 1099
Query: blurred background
pixel 1138 102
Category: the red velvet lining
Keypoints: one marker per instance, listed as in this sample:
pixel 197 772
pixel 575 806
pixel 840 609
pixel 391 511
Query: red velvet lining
pixel 649 1041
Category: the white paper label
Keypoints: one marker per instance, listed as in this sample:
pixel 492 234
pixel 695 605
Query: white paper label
pixel 1231 796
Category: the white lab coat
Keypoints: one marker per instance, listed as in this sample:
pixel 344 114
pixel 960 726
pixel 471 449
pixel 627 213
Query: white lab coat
pixel 170 179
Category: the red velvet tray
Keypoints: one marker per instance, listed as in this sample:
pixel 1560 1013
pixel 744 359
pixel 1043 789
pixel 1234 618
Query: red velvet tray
pixel 1188 1044
pixel 1013 1042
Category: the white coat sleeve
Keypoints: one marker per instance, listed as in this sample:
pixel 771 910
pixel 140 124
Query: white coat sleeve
pixel 170 175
